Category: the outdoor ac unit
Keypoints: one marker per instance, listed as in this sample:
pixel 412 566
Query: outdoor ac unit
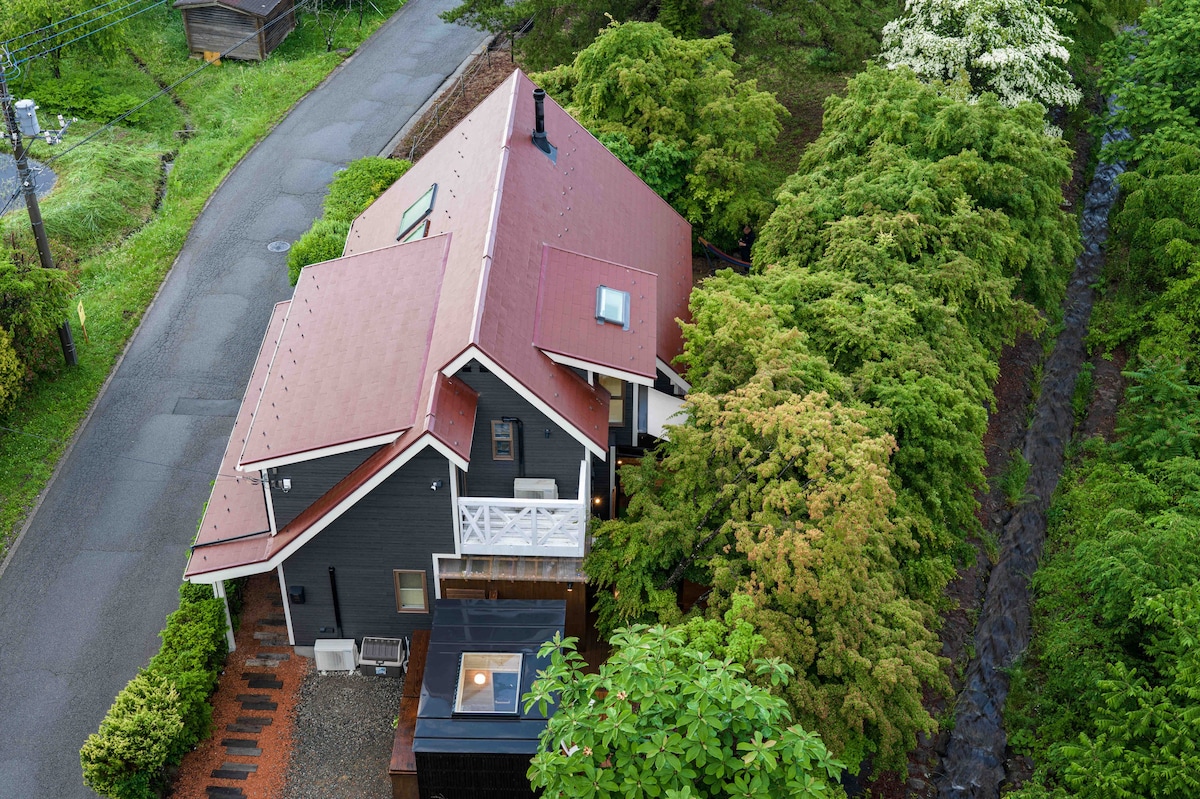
pixel 336 654
pixel 534 488
pixel 383 657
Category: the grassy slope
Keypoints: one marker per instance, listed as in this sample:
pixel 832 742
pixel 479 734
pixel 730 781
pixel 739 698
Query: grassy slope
pixel 123 253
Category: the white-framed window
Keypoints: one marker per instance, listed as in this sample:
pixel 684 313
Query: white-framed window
pixel 616 405
pixel 412 595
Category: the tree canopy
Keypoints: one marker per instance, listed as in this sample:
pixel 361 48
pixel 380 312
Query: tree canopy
pixel 1151 72
pixel 54 28
pixel 665 717
pixel 675 112
pixel 1011 48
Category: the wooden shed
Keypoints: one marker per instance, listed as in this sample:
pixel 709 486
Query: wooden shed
pixel 243 29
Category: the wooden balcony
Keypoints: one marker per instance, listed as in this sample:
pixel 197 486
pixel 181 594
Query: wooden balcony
pixel 541 527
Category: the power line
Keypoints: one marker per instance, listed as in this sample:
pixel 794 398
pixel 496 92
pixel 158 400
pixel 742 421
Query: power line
pixel 165 90
pixel 94 32
pixel 36 31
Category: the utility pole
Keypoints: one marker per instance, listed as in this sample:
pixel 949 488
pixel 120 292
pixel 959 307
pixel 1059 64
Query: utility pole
pixel 31 201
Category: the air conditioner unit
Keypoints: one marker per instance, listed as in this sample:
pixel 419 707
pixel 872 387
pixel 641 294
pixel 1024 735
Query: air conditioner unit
pixel 534 488
pixel 383 657
pixel 336 654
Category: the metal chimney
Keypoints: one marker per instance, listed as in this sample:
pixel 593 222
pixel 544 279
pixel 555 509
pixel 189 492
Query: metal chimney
pixel 539 126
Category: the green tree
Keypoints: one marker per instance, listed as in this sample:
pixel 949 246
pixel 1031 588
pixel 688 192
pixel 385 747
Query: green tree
pixel 663 718
pixel 674 107
pixel 12 374
pixel 1151 72
pixel 59 28
pixel 33 303
pixel 783 501
pixel 1011 48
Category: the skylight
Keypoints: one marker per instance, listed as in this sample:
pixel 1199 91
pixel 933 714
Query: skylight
pixel 612 305
pixel 488 682
pixel 416 213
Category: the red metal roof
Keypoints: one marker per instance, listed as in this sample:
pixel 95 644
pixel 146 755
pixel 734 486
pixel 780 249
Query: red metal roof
pixel 565 322
pixel 369 334
pixel 354 341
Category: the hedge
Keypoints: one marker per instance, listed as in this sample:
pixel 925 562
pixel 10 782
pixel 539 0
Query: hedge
pixel 163 712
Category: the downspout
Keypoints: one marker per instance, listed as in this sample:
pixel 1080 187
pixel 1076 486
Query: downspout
pixel 218 589
pixel 337 608
pixel 520 442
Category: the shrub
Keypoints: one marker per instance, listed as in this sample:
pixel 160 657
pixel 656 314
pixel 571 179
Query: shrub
pixel 11 373
pixel 352 190
pixel 33 303
pixel 164 711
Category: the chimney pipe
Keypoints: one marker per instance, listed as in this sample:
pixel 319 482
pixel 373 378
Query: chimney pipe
pixel 539 128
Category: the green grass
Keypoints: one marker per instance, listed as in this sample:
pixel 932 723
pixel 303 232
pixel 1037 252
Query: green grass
pixel 99 217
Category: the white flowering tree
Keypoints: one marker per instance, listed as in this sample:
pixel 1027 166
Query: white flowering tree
pixel 1011 48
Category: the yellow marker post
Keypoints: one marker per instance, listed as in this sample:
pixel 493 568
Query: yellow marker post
pixel 83 321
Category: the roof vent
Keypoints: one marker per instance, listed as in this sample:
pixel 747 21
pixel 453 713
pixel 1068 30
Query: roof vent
pixel 539 127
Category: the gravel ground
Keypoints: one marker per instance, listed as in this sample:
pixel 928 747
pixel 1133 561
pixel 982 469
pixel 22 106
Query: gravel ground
pixel 343 737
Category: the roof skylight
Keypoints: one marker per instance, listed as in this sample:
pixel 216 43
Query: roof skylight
pixel 488 682
pixel 612 305
pixel 417 212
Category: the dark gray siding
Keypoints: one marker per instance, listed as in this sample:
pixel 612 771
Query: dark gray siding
pixel 310 481
pixel 557 457
pixel 397 526
pixel 622 435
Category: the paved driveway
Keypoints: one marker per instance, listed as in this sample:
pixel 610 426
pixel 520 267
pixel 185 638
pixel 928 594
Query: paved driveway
pixel 87 589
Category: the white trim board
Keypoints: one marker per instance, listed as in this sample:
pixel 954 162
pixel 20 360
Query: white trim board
pixel 473 353
pixel 600 369
pixel 672 375
pixel 323 452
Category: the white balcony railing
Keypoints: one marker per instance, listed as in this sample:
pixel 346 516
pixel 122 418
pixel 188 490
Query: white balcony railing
pixel 507 526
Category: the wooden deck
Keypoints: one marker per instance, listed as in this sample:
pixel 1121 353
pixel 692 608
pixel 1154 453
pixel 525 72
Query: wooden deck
pixel 403 766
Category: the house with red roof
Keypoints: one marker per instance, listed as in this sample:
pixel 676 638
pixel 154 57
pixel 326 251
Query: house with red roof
pixel 440 412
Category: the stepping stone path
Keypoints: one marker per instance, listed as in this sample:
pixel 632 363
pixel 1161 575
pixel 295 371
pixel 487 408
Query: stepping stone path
pixel 242 743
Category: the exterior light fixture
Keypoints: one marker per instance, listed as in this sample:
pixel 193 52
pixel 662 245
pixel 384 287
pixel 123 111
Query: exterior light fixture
pixel 435 485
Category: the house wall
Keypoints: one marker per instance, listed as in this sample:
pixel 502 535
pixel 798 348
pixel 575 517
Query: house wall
pixel 310 481
pixel 214 28
pixel 557 456
pixel 278 30
pixel 397 526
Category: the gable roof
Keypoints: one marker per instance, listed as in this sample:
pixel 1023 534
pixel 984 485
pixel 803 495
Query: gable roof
pixel 373 340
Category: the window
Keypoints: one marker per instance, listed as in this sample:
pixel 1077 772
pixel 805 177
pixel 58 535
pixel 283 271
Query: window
pixel 502 440
pixel 488 682
pixel 416 213
pixel 411 594
pixel 419 232
pixel 616 405
pixel 612 305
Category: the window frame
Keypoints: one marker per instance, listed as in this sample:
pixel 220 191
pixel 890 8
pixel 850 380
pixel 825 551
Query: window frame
pixel 421 228
pixel 604 292
pixel 616 400
pixel 408 227
pixel 509 439
pixel 465 666
pixel 396 574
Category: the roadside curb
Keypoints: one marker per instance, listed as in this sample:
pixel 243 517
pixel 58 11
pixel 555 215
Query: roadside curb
pixel 419 114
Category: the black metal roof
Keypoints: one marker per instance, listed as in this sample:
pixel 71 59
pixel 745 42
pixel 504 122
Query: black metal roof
pixel 483 625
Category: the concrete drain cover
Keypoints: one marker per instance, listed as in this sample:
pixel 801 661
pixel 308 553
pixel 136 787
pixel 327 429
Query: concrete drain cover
pixel 279 246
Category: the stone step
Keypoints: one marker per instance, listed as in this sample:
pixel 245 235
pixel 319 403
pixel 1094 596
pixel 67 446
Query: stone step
pixel 225 774
pixel 265 682
pixel 224 792
pixel 251 728
pixel 269 635
pixel 273 621
pixel 261 721
pixel 267 706
pixel 253 697
pixel 238 742
pixel 261 662
pixel 243 751
pixel 245 768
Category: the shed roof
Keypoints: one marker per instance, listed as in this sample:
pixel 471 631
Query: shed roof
pixel 259 8
pixel 481 625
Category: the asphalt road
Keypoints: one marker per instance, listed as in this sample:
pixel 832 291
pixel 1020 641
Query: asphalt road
pixel 85 593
